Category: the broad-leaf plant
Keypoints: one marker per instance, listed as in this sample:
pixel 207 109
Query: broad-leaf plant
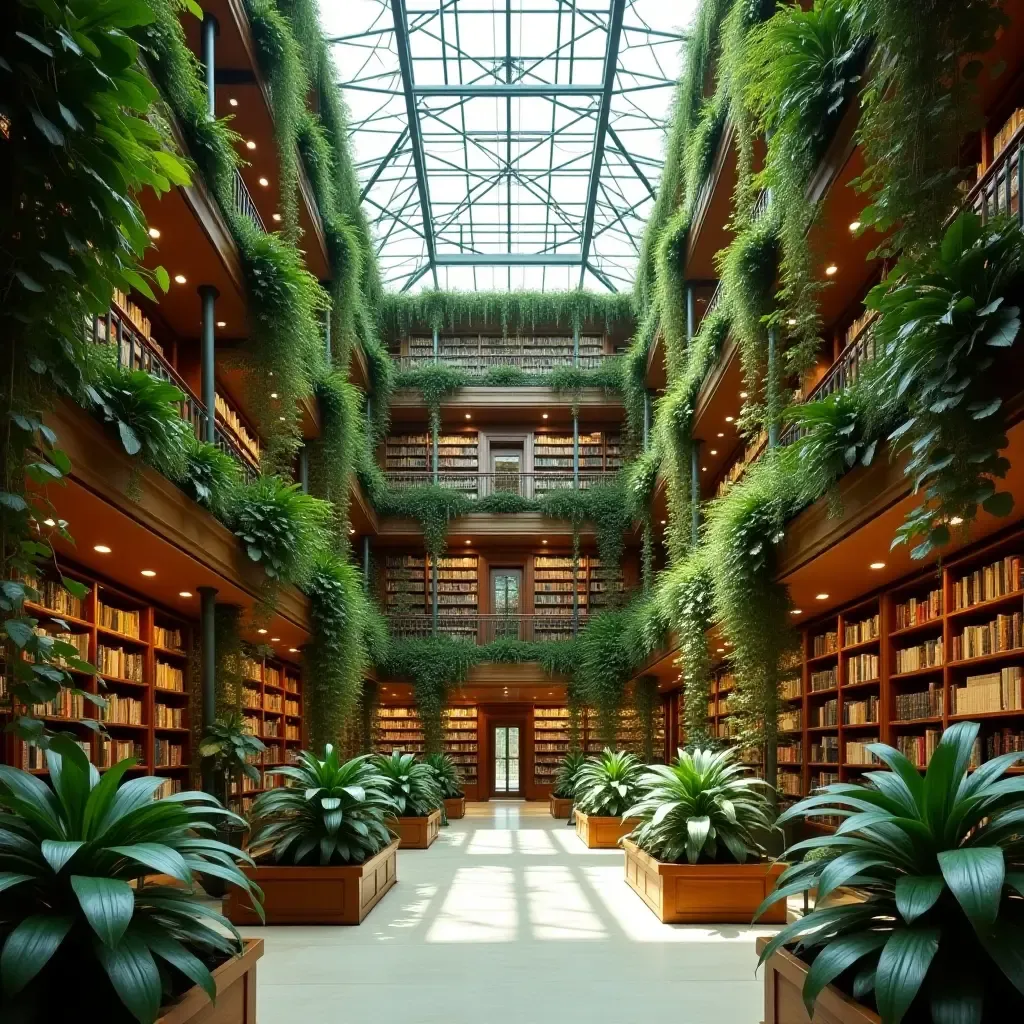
pixel 411 784
pixel 607 785
pixel 938 859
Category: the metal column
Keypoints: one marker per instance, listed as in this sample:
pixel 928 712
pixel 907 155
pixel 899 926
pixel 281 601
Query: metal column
pixel 691 314
pixel 436 346
pixel 209 49
pixel 208 296
pixel 575 450
pixel 433 594
pixel 575 346
pixel 208 672
pixel 695 492
pixel 304 469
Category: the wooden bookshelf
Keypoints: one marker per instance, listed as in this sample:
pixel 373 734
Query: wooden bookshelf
pixel 628 735
pixel 405 584
pixel 550 742
pixel 603 585
pixel 236 425
pixel 553 594
pixel 408 452
pixel 459 453
pixel 398 727
pixel 552 459
pixel 458 593
pixel 532 353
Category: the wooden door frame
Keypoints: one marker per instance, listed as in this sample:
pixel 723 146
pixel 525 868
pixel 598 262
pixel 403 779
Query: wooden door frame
pixel 499 718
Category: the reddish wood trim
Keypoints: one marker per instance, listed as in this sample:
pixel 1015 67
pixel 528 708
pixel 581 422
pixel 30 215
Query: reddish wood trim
pixel 416 833
pixel 236 994
pixel 602 833
pixel 455 807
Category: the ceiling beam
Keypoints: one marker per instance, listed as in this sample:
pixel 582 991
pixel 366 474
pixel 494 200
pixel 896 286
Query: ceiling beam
pixel 512 89
pixel 398 13
pixel 508 259
pixel 387 159
pixel 611 62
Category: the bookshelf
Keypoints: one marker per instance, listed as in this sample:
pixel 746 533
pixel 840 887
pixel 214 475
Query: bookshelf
pixel 232 421
pixel 533 353
pixel 458 592
pixel 461 741
pixel 141 652
pixel 552 454
pixel 603 584
pixel 550 742
pixel 405 584
pixel 553 595
pixel 407 452
pixel 459 453
pixel 628 735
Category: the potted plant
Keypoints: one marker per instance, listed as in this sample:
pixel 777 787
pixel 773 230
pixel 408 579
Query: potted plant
pixel 414 791
pixel 938 860
pixel 694 857
pixel 323 853
pixel 84 919
pixel 227 748
pixel 453 800
pixel 606 788
pixel 560 801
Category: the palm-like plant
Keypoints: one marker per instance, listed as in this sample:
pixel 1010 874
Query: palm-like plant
pixel 67 855
pixel 698 804
pixel 229 747
pixel 447 773
pixel 940 857
pixel 566 773
pixel 332 813
pixel 608 784
pixel 411 784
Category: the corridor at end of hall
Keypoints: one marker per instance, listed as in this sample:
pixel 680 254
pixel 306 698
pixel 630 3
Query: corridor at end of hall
pixel 509 919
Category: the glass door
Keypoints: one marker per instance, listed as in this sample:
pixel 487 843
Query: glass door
pixel 506 760
pixel 506 465
pixel 506 587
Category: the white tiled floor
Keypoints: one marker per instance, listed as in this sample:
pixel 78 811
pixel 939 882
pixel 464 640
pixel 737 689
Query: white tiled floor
pixel 509 918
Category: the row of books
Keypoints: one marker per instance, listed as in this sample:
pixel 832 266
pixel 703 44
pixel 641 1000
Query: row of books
pixel 122 710
pixel 790 753
pixel 291 707
pixel 919 749
pixel 826 679
pixel 1005 741
pixel 861 712
pixel 80 641
pixel 988 583
pixel 861 632
pixel 170 677
pixel 33 758
pixel 925 655
pixel 857 751
pixel 169 638
pixel 65 705
pixel 992 691
pixel 231 418
pixel 826 749
pixel 918 611
pixel 168 788
pixel 825 714
pixel 825 643
pixel 1003 633
pixel 921 704
pixel 788 784
pixel 52 595
pixel 862 668
pixel 167 754
pixel 116 661
pixel 110 751
pixel 789 689
pixel 791 721
pixel 119 619
pixel 273 702
pixel 166 717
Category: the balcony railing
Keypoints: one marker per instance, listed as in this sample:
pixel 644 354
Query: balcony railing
pixel 137 352
pixel 478 365
pixel 483 629
pixel 484 485
pixel 244 203
pixel 998 191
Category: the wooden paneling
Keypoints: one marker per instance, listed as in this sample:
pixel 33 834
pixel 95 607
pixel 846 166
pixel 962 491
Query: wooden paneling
pixel 602 833
pixel 416 833
pixel 236 994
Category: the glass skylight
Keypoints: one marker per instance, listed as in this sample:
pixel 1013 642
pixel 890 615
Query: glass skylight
pixel 495 185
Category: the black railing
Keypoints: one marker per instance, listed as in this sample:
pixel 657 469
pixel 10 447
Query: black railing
pixel 998 191
pixel 137 352
pixel 484 629
pixel 484 485
pixel 478 365
pixel 244 203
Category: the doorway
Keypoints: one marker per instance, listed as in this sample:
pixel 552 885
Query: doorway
pixel 506 768
pixel 506 604
pixel 507 468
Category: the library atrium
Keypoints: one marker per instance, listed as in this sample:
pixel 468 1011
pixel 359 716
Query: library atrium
pixel 530 490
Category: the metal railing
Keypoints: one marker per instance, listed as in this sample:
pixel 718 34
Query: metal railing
pixel 483 629
pixel 484 485
pixel 244 202
pixel 998 191
pixel 480 364
pixel 137 352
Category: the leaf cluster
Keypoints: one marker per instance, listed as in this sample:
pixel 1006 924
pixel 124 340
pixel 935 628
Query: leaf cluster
pixel 608 784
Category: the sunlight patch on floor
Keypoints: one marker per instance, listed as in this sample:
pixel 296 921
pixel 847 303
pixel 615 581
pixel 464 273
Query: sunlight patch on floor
pixel 559 908
pixel 480 907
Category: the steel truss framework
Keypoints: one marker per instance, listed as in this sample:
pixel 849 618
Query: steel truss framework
pixel 507 143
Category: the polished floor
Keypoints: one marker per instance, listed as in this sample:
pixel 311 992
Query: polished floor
pixel 509 918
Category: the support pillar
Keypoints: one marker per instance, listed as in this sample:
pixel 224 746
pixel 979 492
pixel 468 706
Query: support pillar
pixel 433 595
pixel 208 670
pixel 691 314
pixel 436 346
pixel 209 30
pixel 575 346
pixel 435 429
pixel 695 492
pixel 208 295
pixel 575 450
pixel 304 468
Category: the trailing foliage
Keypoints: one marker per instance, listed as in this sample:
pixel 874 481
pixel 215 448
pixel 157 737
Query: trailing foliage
pixel 210 475
pixel 646 700
pixel 702 807
pixel 608 784
pixel 330 812
pixel 68 858
pixel 938 859
pixel 412 784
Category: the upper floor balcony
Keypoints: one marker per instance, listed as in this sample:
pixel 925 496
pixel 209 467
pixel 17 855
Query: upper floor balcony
pixel 485 629
pixel 512 482
pixel 476 354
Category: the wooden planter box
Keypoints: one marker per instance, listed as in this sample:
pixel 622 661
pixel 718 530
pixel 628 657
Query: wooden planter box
pixel 416 833
pixel 316 895
pixel 703 893
pixel 784 976
pixel 602 833
pixel 455 807
pixel 236 994
pixel 560 807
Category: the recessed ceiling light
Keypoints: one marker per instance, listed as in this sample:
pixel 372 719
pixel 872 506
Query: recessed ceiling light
pixel 273 394
pixel 49 522
pixel 233 102
pixel 729 419
pixel 544 416
pixel 855 226
pixel 180 278
pixel 264 182
pixel 261 631
pixel 275 639
pixel 281 418
pixel 831 269
pixel 295 650
pixel 663 522
pixel 703 469
pixel 714 451
pixel 543 542
pixel 721 434
pixel 468 417
pixel 276 217
pixel 469 542
pixel 154 232
pixel 351 530
pixel 796 611
pixel 184 593
pixel 878 565
pixel 791 321
pixel 250 144
pixel 101 548
pixel 821 597
pixel 148 572
pixel 720 650
pixel 955 521
pixel 222 323
pixel 743 394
